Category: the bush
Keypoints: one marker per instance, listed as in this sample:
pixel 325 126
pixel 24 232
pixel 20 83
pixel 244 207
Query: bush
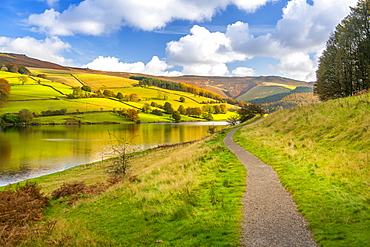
pixel 157 112
pixel 11 118
pixel 17 208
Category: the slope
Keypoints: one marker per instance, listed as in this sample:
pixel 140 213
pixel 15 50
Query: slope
pixel 320 152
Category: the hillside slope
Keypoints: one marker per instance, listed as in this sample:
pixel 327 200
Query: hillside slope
pixel 321 153
pixel 233 87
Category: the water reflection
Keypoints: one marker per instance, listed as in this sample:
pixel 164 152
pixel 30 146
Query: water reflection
pixel 32 151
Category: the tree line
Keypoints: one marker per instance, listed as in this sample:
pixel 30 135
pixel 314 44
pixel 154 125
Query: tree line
pixel 183 87
pixel 344 67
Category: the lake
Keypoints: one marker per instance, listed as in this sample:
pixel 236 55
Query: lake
pixel 32 151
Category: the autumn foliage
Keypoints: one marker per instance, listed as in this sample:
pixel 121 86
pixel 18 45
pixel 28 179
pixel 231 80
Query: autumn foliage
pixel 18 208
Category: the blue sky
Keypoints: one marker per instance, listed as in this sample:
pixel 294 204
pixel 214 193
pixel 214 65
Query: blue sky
pixel 175 37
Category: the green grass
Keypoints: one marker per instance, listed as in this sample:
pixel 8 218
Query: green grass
pixel 185 196
pixel 39 94
pixel 321 154
pixel 262 91
pixel 74 79
pixel 32 92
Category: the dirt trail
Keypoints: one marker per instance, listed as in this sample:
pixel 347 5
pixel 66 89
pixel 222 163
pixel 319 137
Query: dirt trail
pixel 270 214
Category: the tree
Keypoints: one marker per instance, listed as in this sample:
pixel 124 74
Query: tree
pixel 146 108
pixel 182 99
pixel 86 88
pixel 121 148
pixel 233 120
pixel 25 116
pixel 248 111
pixel 23 79
pixel 132 115
pixel 11 118
pixel 223 109
pixel 119 96
pixel 168 108
pixel 3 95
pixel 176 116
pixel 207 116
pixel 108 93
pixel 344 67
pixel 181 110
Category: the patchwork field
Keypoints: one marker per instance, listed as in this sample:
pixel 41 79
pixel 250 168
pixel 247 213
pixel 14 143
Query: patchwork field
pixel 53 90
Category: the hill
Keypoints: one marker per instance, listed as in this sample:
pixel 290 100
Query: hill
pixel 321 154
pixel 19 59
pixel 74 96
pixel 234 87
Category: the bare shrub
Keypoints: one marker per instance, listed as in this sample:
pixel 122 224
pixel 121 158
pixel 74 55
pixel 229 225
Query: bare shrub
pixel 75 191
pixel 18 208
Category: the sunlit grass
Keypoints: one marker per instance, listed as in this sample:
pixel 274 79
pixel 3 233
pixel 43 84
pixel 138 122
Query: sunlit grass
pixel 321 153
pixel 27 92
pixel 184 196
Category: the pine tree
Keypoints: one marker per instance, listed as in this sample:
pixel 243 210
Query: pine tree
pixel 344 68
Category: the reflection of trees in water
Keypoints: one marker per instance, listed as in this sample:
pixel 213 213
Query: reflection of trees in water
pixel 5 154
pixel 52 148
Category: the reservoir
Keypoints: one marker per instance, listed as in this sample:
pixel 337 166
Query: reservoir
pixel 32 151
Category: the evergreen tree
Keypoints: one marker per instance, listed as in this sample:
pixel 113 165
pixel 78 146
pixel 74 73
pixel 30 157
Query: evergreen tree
pixel 344 68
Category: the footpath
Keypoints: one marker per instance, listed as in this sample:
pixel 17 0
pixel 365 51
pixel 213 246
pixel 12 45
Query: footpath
pixel 270 214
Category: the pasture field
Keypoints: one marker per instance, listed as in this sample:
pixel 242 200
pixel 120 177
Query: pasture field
pixel 49 92
pixel 78 79
pixel 60 76
pixel 32 92
pixel 321 154
pixel 262 91
pixel 291 87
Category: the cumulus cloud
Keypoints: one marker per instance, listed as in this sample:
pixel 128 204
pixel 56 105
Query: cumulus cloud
pixel 154 67
pixel 202 47
pixel 50 2
pixel 96 17
pixel 302 31
pixel 49 49
pixel 243 71
pixel 297 65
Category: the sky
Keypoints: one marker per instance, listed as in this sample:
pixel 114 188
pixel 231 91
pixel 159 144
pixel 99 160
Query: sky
pixel 175 37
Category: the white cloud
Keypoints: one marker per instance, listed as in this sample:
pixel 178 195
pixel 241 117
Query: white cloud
pixel 49 49
pixel 298 66
pixel 243 71
pixel 51 2
pixel 154 67
pixel 302 31
pixel 96 17
pixel 206 69
pixel 202 47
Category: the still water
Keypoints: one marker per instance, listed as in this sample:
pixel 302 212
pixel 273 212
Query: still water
pixel 32 151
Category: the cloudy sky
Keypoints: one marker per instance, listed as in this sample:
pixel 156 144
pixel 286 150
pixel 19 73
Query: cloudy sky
pixel 175 37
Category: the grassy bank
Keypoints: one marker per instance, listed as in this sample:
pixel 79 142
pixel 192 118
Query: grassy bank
pixel 321 153
pixel 182 196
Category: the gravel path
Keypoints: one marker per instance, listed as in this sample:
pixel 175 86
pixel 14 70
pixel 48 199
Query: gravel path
pixel 270 214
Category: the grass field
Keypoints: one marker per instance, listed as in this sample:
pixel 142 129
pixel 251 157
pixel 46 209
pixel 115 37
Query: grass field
pixel 321 153
pixel 49 92
pixel 262 91
pixel 31 92
pixel 184 196
pixel 77 79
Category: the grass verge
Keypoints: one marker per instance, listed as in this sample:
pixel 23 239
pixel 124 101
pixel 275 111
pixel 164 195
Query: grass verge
pixel 321 155
pixel 182 196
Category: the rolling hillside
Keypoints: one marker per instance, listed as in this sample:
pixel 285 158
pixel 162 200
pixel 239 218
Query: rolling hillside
pixel 321 154
pixel 55 96
pixel 234 87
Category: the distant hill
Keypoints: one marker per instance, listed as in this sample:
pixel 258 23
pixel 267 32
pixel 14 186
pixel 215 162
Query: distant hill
pixel 234 87
pixel 19 59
